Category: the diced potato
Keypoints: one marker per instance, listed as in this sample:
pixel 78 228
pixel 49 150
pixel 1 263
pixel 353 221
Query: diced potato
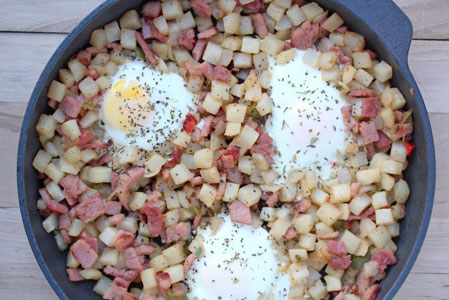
pixel 231 23
pixel 249 194
pixel 333 22
pixel 380 200
pixel 176 273
pixel 332 283
pixel 311 57
pixel 398 101
pixel 359 204
pixel 366 226
pixel 112 31
pixel 246 165
pixel 232 129
pixel 149 280
pixel 319 197
pixel 235 112
pixel 297 255
pixel 56 91
pixel 211 105
pixel 226 6
pixel 390 166
pixel 174 254
pixel 72 154
pixel 128 154
pixel 387 181
pixel 186 21
pixel 275 11
pixel 296 15
pixel 46 126
pixel 384 216
pixel 279 228
pixel 54 172
pixel 327 60
pixel 355 41
pixel 212 53
pixel 210 175
pixel 117 56
pixel 383 71
pixel 328 213
pixel 348 73
pixel 138 200
pixel 284 24
pixel 398 152
pixel 380 237
pixel 285 56
pixel 110 68
pixel 271 45
pixel 340 193
pixel 401 191
pixel 362 60
pixel 250 45
pixel 246 139
pixel 265 105
pixel 298 273
pixel 232 43
pixel 220 90
pixel 388 117
pixel 154 164
pixel 104 82
pixel 55 191
pixel 180 174
pixel 231 192
pixel 363 77
pixel 41 161
pixel 98 38
pixel 109 256
pixel 172 9
pixel 207 194
pixel 100 60
pixel 88 87
pixel 303 223
pixel 307 241
pixel 158 263
pixel 71 130
pixel 91 274
pixel 171 199
pixel 242 60
pixel 260 162
pixel 66 77
pixel 130 20
pixel 368 176
pixel 77 69
pixel 128 39
pixel 311 10
pixel 100 174
pixel 351 241
pixel 203 158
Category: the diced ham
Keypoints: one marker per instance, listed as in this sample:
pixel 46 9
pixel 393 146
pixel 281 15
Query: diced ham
pixel 128 275
pixel 198 50
pixel 155 33
pixel 370 151
pixel 146 50
pixel 267 152
pixel 366 214
pixel 91 72
pixel 91 208
pixel 221 73
pixel 200 8
pixel 148 297
pixel 94 51
pixel 65 236
pixel 113 208
pixel 145 249
pixel 207 126
pixel 398 116
pixel 90 240
pixel 175 232
pixel 369 132
pixel 189 262
pixel 342 58
pixel 384 258
pixel 64 221
pixel 228 161
pixel 177 290
pixel 52 204
pixel 154 219
pixel 73 187
pixel 355 188
pixel 208 70
pixel 259 25
pixel 194 70
pixel 290 234
pixel 265 139
pixel 363 93
pixel 122 240
pixel 102 160
pixel 146 30
pixel 84 57
pixel 198 180
pixel 53 104
pixel 370 107
pixel 70 106
pixel 341 29
pixel 164 281
pixel 240 213
pixel 234 176
pixel 187 38
pixel 371 292
pixel 348 118
pixel 330 236
pixel 336 248
pixel 115 291
pixel 84 254
pixel 401 130
pixel 383 141
pixel 323 32
pixel 341 263
pixel 132 260
pixel 221 186
pixel 208 33
pixel 253 5
pixel 305 35
pixel 273 199
pixel 152 9
pixel 154 196
pixel 126 180
pixel 372 55
pixel 74 275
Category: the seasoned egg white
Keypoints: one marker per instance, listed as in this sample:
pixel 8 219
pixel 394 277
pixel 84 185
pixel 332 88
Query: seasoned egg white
pixel 239 263
pixel 306 121
pixel 145 107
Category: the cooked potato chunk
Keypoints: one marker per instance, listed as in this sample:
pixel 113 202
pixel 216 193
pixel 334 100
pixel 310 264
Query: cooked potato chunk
pixel 56 91
pixel 207 194
pixel 180 174
pixel 249 194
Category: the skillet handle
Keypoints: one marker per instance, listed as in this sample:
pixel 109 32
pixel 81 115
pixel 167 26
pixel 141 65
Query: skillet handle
pixel 388 22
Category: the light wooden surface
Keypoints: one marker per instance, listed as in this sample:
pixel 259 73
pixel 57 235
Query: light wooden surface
pixel 30 30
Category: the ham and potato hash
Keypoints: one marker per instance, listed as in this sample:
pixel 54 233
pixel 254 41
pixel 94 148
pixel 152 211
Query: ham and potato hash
pixel 158 146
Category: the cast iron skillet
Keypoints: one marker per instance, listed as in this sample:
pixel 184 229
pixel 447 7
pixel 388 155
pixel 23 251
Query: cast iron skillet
pixel 388 32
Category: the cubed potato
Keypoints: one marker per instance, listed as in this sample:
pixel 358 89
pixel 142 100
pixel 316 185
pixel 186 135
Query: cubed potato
pixel 265 105
pixel 327 60
pixel 348 73
pixel 238 90
pixel 91 274
pixel 355 41
pixel 390 166
pixel 56 91
pixel 250 45
pixel 271 45
pixel 398 152
pixel 77 68
pixel 359 204
pixel 319 197
pixel 388 117
pixel 362 60
pixel 41 161
pixel 380 237
pixel 323 229
pixel 128 39
pixel 161 24
pixel 333 22
pixel 232 43
pixel 298 273
pixel 154 164
pixel 112 31
pixel 220 90
pixel 368 176
pixel 180 174
pixel 307 241
pixel 138 200
pixel 235 112
pixel 268 214
pixel 260 162
pixel 279 228
pixel 159 262
pixel 46 126
pixel 128 154
pixel 149 280
pixel 297 255
pixel 130 20
pixel 71 130
pixel 337 38
pixel 401 191
pixel 303 223
pixel 242 60
pixel 246 139
pixel 207 194
pixel 204 158
pixel 210 175
pixel 383 71
pixel 231 192
pixel 340 193
pixel 72 154
pixel 109 256
pixel 384 216
pixel 332 283
pixel 379 200
pixel 284 24
pixel 186 21
pixel 88 87
pixel 172 9
pixel 98 38
pixel 55 191
pixel 176 273
pixel 182 139
pixel 107 236
pixel 53 172
pixel 110 68
pixel 231 23
pixel 226 57
pixel 117 56
pixel 249 194
pixel 328 213
pixel 351 241
pixel 211 105
pixel 311 57
pixel 386 181
pixel 246 165
pixel 100 174
pixel 311 10
pixel 246 26
pixel 66 77
pixel 363 77
pixel 212 53
pixel 232 129
pixel 226 6
pixel 275 11
pixel 104 82
pixel 171 199
pixel 398 100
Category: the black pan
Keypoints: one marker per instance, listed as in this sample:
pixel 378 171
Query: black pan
pixel 388 32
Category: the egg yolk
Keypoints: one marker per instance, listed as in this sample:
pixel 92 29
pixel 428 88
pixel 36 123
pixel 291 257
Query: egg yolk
pixel 127 106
